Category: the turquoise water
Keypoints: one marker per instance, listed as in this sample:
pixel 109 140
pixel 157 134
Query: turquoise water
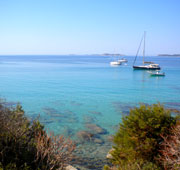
pixel 69 92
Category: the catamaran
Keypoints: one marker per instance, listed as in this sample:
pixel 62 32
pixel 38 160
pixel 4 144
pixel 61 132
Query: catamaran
pixel 145 65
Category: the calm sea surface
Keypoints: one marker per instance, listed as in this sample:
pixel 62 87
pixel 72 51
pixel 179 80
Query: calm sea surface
pixel 71 92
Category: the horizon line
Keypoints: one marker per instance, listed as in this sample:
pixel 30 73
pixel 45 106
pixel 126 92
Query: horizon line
pixel 103 54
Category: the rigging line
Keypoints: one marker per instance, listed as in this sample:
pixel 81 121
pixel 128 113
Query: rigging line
pixel 144 47
pixel 138 49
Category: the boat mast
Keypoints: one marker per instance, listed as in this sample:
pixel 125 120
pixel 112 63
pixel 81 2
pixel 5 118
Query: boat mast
pixel 138 50
pixel 144 46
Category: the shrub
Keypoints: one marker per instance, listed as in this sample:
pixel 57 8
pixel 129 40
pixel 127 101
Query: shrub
pixel 134 166
pixel 138 139
pixel 170 149
pixel 53 151
pixel 24 145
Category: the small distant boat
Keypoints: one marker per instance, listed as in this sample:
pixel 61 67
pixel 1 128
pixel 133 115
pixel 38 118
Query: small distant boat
pixel 146 65
pixel 115 63
pixel 123 60
pixel 157 73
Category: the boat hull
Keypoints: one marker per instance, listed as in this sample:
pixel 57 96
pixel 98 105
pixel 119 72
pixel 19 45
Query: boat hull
pixel 123 60
pixel 115 63
pixel 155 75
pixel 146 68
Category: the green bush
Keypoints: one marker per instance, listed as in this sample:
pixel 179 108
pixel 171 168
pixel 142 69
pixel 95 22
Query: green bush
pixel 139 137
pixel 17 137
pixel 24 144
pixel 136 165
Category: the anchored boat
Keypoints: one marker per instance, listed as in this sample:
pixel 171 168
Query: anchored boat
pixel 145 65
pixel 157 73
pixel 123 60
pixel 115 63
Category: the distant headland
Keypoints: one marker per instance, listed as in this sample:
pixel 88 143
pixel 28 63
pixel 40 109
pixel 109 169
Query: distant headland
pixel 109 54
pixel 171 55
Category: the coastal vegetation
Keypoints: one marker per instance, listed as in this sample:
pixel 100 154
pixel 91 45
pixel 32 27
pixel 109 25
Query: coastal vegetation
pixel 147 139
pixel 170 149
pixel 25 145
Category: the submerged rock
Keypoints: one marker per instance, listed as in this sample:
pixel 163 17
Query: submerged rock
pixel 89 119
pixel 85 135
pixel 68 132
pixel 46 121
pixel 122 108
pixel 74 103
pixel 58 102
pixel 98 140
pixel 95 112
pixel 174 111
pixel 72 119
pixel 174 104
pixel 50 110
pixel 96 129
pixel 9 104
pixel 91 155
pixel 109 138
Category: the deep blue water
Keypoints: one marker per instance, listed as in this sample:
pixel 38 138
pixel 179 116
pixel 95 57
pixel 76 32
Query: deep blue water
pixel 70 91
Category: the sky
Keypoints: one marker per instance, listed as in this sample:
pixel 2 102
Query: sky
pixel 61 27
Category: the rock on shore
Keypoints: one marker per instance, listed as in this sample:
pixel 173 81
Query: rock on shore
pixel 109 156
pixel 69 167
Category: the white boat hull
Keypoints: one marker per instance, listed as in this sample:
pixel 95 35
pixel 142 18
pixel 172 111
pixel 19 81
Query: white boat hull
pixel 123 60
pixel 115 63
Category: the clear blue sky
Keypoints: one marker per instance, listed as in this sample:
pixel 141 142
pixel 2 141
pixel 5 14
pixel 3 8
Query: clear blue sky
pixel 88 26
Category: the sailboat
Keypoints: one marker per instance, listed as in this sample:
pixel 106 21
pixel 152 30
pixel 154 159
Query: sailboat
pixel 145 65
pixel 115 62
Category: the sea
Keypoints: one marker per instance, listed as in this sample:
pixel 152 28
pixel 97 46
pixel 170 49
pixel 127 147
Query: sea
pixel 77 94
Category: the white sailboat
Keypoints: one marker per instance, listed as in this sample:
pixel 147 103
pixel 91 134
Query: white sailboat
pixel 145 65
pixel 115 62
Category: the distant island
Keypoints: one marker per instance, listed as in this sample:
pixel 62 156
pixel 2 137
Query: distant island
pixel 171 55
pixel 109 54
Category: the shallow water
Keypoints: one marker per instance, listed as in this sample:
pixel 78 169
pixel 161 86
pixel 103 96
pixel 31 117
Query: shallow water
pixel 69 92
